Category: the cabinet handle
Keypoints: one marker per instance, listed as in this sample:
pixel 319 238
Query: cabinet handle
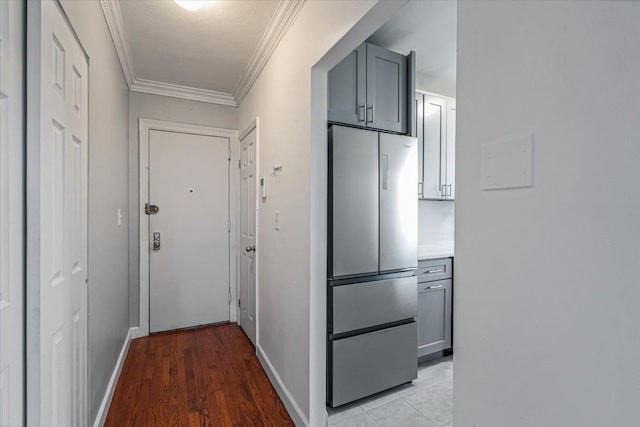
pixel 449 190
pixel 434 287
pixel 434 271
pixel 373 114
pixel 361 113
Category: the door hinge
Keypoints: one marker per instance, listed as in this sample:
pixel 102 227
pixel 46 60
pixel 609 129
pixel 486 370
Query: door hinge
pixel 229 226
pixel 229 153
pixel 229 294
pixel 238 302
pixel 239 164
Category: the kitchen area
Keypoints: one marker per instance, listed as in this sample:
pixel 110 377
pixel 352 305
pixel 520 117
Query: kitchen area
pixel 390 278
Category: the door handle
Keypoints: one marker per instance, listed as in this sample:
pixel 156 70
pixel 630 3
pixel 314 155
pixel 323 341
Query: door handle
pixel 250 249
pixel 156 241
pixel 151 209
pixel 361 113
pixel 385 171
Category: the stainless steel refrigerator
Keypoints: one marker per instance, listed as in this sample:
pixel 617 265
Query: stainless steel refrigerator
pixel 372 260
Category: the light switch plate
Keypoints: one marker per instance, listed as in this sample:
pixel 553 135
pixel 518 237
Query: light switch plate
pixel 508 164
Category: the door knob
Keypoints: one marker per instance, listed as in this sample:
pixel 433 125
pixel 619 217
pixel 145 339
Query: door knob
pixel 250 249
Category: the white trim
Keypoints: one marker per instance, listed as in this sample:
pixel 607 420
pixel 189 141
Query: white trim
pixel 113 381
pixel 145 125
pixel 113 16
pixel 285 14
pixel 255 124
pixel 282 19
pixel 285 395
pixel 184 92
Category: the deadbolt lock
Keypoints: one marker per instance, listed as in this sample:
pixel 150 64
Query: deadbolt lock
pixel 151 209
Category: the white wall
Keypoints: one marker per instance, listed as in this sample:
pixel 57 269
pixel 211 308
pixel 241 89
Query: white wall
pixel 108 187
pixel 143 105
pixel 435 222
pixel 547 320
pixel 281 98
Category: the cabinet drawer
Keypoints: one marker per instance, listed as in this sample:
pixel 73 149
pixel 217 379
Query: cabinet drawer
pixel 435 269
pixel 367 304
pixel 369 363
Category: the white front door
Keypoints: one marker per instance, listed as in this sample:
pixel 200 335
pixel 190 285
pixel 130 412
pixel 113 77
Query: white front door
pixel 189 234
pixel 248 235
pixel 62 209
pixel 11 214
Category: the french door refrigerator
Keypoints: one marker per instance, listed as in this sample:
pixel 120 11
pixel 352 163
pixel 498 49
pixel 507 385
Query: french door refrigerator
pixel 372 260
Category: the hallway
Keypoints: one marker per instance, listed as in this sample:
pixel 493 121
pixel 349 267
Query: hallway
pixel 208 376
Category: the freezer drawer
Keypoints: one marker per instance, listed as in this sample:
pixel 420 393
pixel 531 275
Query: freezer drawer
pixel 367 304
pixel 369 363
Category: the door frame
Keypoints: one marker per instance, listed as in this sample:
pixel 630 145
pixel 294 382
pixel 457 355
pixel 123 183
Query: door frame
pixel 255 124
pixel 145 126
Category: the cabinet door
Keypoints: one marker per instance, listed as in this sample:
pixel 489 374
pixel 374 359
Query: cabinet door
pixel 347 89
pixel 434 143
pixel 451 149
pixel 386 90
pixel 420 135
pixel 434 316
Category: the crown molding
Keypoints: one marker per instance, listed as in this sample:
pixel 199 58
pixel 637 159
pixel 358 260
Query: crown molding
pixel 283 17
pixel 113 16
pixel 184 92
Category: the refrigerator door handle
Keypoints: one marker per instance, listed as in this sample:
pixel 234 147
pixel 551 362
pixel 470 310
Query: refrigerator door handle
pixel 385 171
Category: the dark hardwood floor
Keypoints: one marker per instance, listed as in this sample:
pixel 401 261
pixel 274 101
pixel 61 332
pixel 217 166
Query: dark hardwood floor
pixel 208 376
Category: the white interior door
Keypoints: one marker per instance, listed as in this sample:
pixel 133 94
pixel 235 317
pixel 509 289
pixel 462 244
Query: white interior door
pixel 189 270
pixel 248 235
pixel 11 214
pixel 62 210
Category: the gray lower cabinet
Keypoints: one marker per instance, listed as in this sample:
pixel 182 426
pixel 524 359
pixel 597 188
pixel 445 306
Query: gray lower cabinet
pixel 435 306
pixel 369 88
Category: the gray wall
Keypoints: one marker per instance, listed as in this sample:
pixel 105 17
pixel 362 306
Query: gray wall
pixel 108 187
pixel 142 105
pixel 546 318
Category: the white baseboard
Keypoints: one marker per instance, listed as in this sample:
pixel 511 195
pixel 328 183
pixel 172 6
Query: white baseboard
pixel 113 381
pixel 289 402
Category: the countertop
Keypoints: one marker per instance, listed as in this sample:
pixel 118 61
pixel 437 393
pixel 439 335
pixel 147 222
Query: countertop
pixel 436 250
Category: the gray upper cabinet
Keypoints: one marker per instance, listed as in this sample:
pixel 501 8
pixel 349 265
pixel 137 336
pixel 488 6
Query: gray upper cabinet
pixel 435 124
pixel 348 89
pixel 369 88
pixel 386 90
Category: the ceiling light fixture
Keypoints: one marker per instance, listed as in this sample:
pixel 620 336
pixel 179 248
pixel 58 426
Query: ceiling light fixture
pixel 192 4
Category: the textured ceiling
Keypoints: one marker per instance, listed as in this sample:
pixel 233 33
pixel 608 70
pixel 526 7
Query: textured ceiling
pixel 429 28
pixel 207 49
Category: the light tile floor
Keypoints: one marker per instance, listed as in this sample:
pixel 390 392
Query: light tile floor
pixel 427 402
